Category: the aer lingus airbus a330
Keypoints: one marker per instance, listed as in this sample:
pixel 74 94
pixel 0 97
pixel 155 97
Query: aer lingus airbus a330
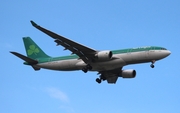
pixel 107 63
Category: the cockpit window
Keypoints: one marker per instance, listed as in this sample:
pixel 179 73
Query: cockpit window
pixel 163 49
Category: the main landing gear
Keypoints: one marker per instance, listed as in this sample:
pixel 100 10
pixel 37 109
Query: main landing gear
pixel 152 65
pixel 85 69
pixel 98 80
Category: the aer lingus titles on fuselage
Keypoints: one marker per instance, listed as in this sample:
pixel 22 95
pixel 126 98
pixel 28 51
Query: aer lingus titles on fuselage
pixel 107 63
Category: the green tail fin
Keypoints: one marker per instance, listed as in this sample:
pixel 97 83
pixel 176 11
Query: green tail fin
pixel 33 50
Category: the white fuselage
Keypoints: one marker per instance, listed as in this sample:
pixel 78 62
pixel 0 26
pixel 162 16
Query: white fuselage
pixel 117 61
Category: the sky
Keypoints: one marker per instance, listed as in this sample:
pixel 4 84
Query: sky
pixel 101 25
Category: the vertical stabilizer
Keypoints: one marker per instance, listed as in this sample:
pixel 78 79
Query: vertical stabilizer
pixel 33 50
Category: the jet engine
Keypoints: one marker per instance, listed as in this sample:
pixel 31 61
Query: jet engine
pixel 104 55
pixel 128 73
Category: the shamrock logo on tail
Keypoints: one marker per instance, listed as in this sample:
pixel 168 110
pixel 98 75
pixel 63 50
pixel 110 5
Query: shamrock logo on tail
pixel 33 50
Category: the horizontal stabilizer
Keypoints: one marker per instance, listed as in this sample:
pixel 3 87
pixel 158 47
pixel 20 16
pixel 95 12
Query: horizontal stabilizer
pixel 28 60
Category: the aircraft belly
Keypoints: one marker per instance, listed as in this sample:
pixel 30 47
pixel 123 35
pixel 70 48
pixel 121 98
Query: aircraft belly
pixel 64 65
pixel 108 65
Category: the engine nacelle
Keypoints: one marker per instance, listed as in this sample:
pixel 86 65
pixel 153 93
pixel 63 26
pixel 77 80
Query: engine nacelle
pixel 128 73
pixel 104 55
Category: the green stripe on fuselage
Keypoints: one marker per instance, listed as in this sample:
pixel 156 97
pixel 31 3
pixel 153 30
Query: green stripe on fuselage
pixel 121 51
pixel 138 49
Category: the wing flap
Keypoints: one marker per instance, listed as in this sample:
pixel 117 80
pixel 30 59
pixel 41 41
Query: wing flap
pixel 111 75
pixel 112 79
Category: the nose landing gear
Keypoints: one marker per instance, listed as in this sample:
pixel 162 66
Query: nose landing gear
pixel 152 65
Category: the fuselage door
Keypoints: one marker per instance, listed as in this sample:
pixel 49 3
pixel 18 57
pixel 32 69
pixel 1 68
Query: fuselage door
pixel 147 52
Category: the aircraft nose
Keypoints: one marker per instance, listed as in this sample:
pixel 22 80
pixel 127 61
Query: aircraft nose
pixel 167 53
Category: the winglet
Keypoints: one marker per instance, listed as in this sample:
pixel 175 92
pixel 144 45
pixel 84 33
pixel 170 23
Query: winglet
pixel 33 23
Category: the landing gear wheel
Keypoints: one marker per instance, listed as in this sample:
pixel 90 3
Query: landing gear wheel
pixel 98 80
pixel 85 70
pixel 152 65
pixel 102 77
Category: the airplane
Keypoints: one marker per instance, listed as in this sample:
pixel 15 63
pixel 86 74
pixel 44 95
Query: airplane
pixel 107 63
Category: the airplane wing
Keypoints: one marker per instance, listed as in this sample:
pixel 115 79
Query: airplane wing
pixel 111 76
pixel 85 53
